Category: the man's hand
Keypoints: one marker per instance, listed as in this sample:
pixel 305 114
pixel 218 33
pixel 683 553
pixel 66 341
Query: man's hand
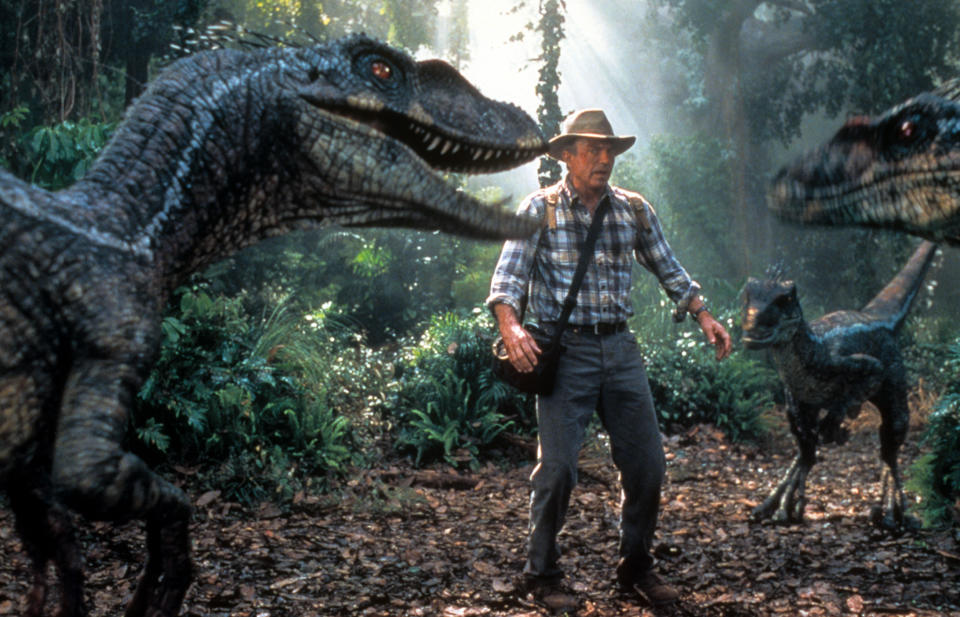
pixel 716 334
pixel 522 349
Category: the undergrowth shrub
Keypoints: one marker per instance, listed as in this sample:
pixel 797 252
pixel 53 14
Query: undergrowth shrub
pixel 935 476
pixel 246 399
pixel 447 403
pixel 56 156
pixel 690 386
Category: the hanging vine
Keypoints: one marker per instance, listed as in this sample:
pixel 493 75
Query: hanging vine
pixel 549 114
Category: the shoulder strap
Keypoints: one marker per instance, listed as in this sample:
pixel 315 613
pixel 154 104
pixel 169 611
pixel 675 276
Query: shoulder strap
pixel 640 206
pixel 586 252
pixel 552 198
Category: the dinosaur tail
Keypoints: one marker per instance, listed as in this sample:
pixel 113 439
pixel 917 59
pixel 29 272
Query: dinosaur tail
pixel 893 302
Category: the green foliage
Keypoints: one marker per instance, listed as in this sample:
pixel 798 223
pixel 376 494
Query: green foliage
pixel 409 24
pixel 447 402
pixel 876 67
pixel 56 156
pixel 10 127
pixel 14 117
pixel 829 55
pixel 690 387
pixel 688 179
pixel 385 283
pixel 248 394
pixel 936 474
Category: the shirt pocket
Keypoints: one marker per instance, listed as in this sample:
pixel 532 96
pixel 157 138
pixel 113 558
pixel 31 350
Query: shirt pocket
pixel 560 249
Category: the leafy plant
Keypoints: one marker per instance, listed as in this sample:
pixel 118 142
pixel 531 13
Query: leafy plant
pixel 451 423
pixel 689 386
pixel 447 403
pixel 936 474
pixel 248 394
pixel 56 156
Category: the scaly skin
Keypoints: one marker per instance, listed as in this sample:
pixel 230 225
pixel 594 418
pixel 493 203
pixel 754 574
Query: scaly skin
pixel 900 171
pixel 834 364
pixel 223 149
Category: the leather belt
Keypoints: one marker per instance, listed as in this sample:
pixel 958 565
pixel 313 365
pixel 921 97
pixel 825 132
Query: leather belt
pixel 597 329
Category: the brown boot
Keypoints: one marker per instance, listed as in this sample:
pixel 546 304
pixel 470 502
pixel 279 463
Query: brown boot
pixel 549 592
pixel 652 587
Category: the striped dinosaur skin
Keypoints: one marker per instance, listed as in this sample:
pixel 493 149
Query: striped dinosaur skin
pixel 223 149
pixel 900 171
pixel 833 365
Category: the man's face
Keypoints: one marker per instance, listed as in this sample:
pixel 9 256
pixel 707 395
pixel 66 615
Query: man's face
pixel 590 163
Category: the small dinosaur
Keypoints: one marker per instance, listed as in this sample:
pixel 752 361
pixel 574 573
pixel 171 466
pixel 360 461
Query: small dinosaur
pixel 224 148
pixel 833 365
pixel 900 170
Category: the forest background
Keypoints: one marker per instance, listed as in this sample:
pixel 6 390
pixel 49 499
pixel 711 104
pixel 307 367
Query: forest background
pixel 290 364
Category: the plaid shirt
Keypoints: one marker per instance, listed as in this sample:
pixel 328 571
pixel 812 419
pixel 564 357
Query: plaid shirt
pixel 547 260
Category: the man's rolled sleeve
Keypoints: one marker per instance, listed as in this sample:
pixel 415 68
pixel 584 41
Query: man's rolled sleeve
pixel 654 253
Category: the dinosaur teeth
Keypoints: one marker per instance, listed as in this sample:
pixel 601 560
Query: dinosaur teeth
pixel 434 143
pixel 487 156
pixel 446 147
pixel 456 148
pixel 477 153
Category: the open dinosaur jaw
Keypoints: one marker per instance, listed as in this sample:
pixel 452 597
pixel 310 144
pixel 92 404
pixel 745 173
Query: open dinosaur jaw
pixel 399 189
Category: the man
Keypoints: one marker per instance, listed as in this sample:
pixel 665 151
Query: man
pixel 601 369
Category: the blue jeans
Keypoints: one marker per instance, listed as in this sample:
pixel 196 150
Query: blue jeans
pixel 603 374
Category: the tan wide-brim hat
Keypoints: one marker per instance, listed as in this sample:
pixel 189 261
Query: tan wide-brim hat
pixel 592 124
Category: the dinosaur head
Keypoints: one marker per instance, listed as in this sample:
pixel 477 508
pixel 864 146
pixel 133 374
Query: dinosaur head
pixel 770 312
pixel 378 129
pixel 899 170
pixel 227 147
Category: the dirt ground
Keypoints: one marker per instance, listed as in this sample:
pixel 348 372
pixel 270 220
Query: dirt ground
pixel 399 541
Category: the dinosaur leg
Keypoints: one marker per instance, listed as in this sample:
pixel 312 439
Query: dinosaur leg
pixel 788 500
pixel 168 550
pixel 893 432
pixel 47 534
pixel 96 477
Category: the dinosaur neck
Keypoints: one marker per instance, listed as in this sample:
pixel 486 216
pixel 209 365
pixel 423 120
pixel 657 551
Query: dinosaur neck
pixel 800 351
pixel 190 176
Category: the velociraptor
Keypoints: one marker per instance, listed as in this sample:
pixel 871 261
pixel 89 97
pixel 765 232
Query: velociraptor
pixel 833 364
pixel 223 149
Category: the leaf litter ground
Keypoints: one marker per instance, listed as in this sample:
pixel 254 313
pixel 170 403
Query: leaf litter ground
pixel 400 541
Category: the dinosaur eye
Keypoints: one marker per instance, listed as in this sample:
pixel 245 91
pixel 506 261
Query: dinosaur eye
pixel 907 131
pixel 381 70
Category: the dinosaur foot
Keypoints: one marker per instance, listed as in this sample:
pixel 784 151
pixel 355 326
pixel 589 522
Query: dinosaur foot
pixel 168 571
pixel 786 503
pixel 779 516
pixel 780 507
pixel 893 521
